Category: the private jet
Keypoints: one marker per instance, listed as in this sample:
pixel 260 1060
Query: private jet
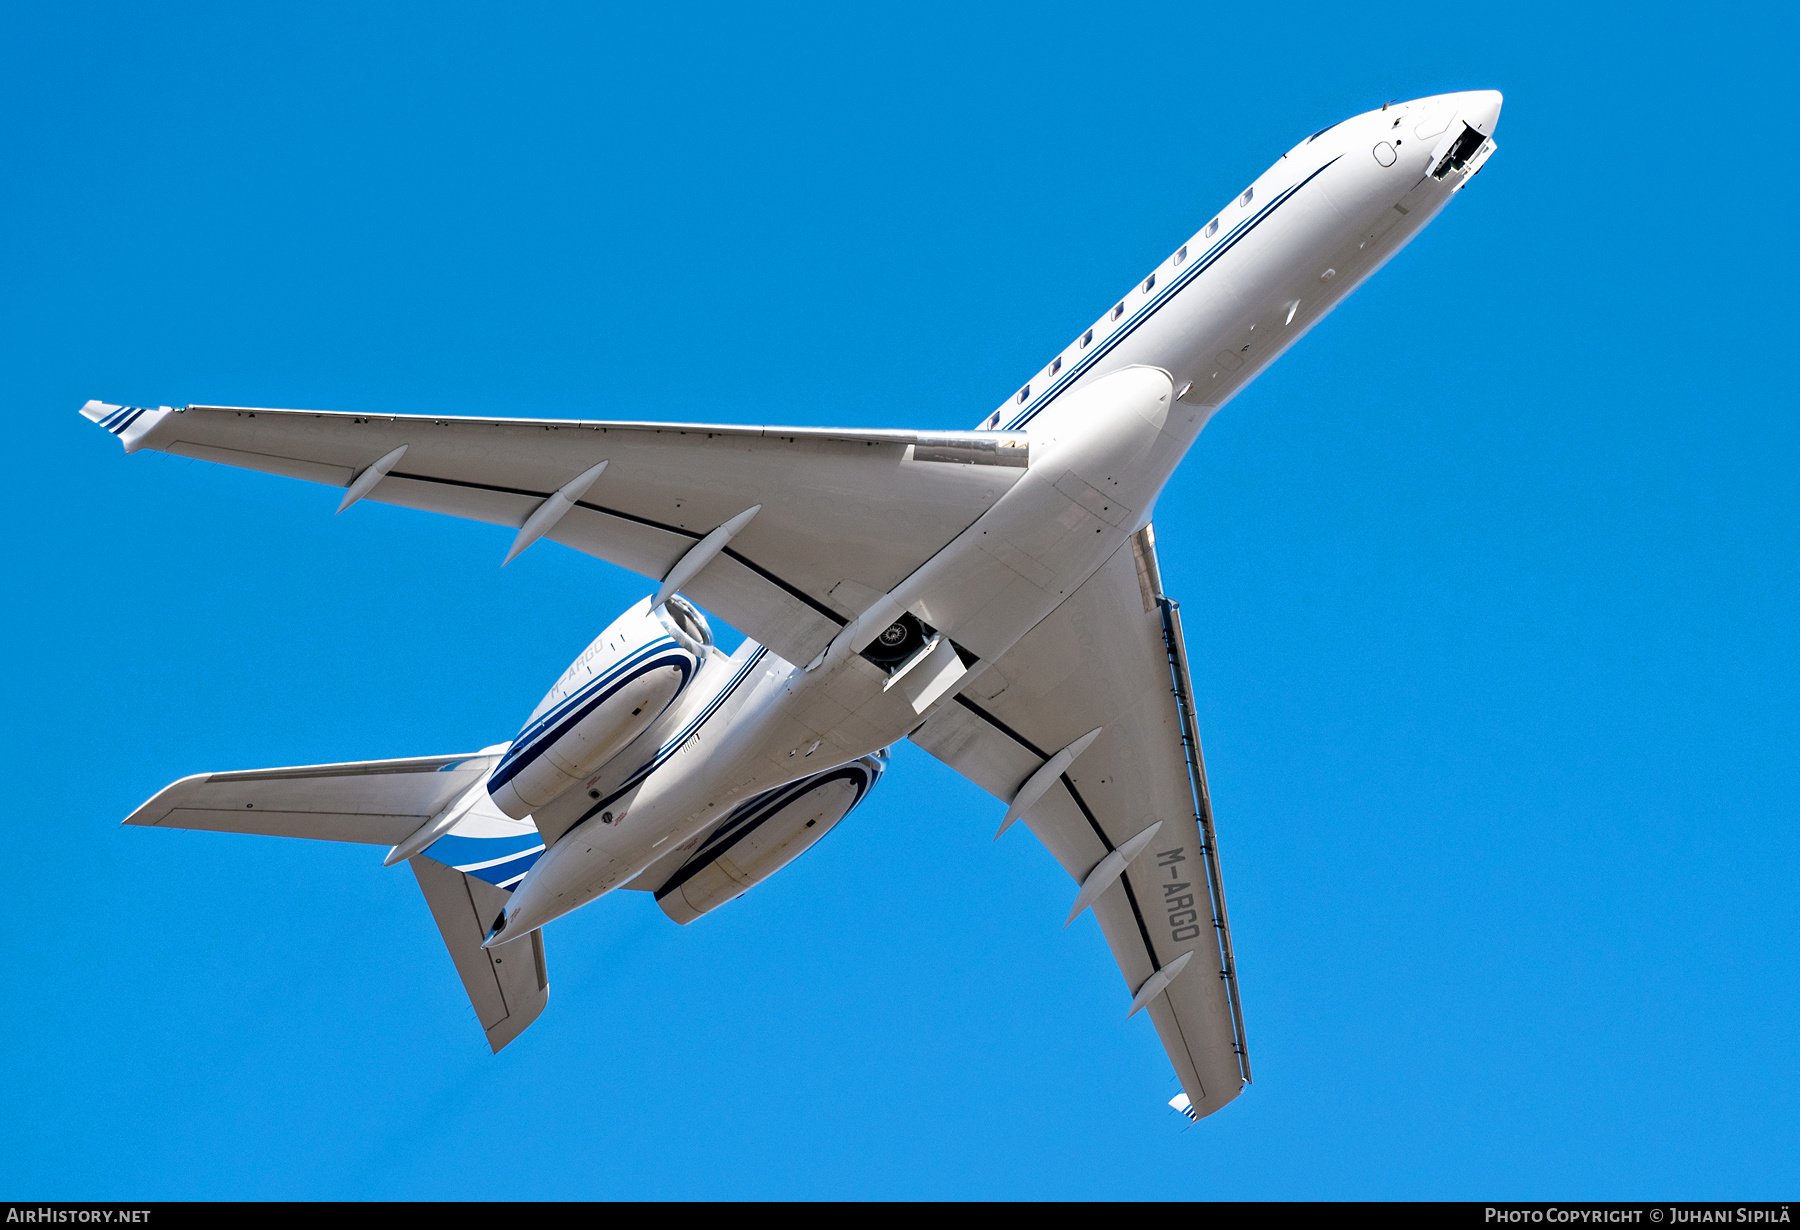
pixel 992 595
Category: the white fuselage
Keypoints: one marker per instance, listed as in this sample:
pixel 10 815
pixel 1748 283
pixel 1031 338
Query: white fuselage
pixel 1110 418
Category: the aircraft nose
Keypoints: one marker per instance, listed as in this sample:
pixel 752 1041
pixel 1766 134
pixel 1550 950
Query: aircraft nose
pixel 1479 109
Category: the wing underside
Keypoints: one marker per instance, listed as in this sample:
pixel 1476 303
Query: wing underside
pixel 1112 657
pixel 842 515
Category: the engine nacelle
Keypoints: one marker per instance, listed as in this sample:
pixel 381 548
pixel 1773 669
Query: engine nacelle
pixel 609 696
pixel 764 834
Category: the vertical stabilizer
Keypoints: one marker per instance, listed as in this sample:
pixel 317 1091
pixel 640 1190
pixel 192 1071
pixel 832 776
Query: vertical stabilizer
pixel 507 984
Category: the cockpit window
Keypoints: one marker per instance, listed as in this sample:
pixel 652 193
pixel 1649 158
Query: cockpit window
pixel 1321 132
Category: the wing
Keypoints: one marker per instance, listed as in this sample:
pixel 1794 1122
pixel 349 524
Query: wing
pixel 377 802
pixel 843 516
pixel 1112 657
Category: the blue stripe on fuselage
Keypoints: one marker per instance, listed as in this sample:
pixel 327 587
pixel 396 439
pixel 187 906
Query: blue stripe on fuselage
pixel 1137 319
pixel 454 851
pixel 467 854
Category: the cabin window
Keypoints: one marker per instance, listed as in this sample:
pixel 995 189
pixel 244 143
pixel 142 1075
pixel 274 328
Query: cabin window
pixel 1118 311
pixel 1248 194
pixel 1056 366
pixel 1149 282
pixel 1023 394
pixel 1087 338
pixel 1181 255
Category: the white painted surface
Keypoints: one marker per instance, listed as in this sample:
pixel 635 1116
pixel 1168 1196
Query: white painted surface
pixel 1009 543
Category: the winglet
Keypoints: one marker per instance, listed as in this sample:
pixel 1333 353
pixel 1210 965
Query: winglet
pixel 130 423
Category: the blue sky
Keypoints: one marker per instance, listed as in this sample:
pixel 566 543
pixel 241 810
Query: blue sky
pixel 1489 586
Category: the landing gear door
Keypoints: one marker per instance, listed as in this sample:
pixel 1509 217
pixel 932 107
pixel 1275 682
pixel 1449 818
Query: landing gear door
pixel 1459 155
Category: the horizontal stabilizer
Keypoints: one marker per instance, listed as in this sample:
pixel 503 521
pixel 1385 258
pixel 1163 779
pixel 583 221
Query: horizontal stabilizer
pixel 377 802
